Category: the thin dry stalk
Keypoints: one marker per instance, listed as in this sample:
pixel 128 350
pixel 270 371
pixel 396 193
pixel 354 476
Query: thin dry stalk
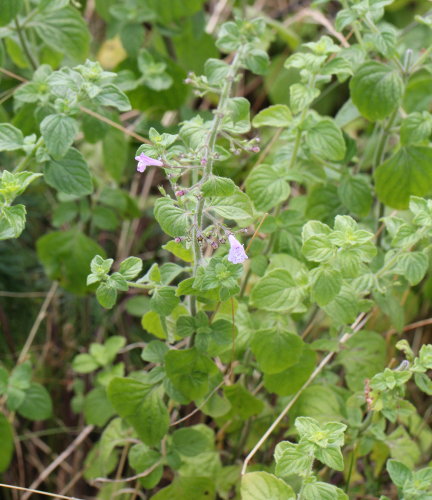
pixel 355 327
pixel 68 451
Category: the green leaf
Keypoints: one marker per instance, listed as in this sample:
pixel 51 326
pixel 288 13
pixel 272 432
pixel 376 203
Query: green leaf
pixel 264 486
pixel 70 174
pixel 236 119
pixel 291 380
pixel 141 458
pixel 155 351
pixel 243 404
pixel 172 219
pixel 277 115
pixel 7 439
pixel 37 404
pixel 58 132
pixel 330 456
pixel 301 96
pixel 11 138
pixel 376 90
pixel 131 267
pixel 97 409
pixel 326 283
pixel 399 472
pixel 179 251
pixel 293 458
pixel 415 128
pixel 141 406
pixel 404 174
pixel 189 372
pixel 364 356
pixel 189 442
pixel 413 266
pixel 318 249
pixel 237 207
pixel 12 221
pixel 326 141
pixel 355 193
pixel 276 291
pixel 63 30
pixel 218 186
pixel 323 491
pixel 9 9
pixel 14 184
pixel 84 363
pixel 276 349
pixel 216 71
pixel 266 188
pixel 66 256
pixel 257 61
pixel 164 300
pixel 187 488
pixel 106 295
pixel 112 96
pixel 229 38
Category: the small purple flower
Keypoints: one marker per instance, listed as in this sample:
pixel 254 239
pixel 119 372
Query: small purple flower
pixel 236 254
pixel 145 161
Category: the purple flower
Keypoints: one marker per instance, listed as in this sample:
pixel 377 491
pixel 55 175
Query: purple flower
pixel 145 161
pixel 236 254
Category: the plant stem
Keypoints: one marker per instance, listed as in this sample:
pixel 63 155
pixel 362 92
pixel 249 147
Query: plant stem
pixel 209 160
pixel 24 46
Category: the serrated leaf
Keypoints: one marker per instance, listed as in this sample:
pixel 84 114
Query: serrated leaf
pixel 257 61
pixel 415 128
pixel 141 406
pixel 179 251
pixel 189 372
pixel 276 349
pixel 323 491
pixel 293 458
pixel 70 174
pixel 277 115
pixel 172 219
pixel 276 291
pixel 164 300
pixel 58 132
pixel 106 295
pixel 63 30
pixel 301 96
pixel 264 486
pixel 325 140
pixel 413 266
pixel 131 267
pixel 37 404
pixel 237 207
pixel 218 186
pixel 405 174
pixel 326 283
pixel 11 138
pixel 399 472
pixel 12 221
pixel 355 193
pixel 266 188
pixel 376 90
